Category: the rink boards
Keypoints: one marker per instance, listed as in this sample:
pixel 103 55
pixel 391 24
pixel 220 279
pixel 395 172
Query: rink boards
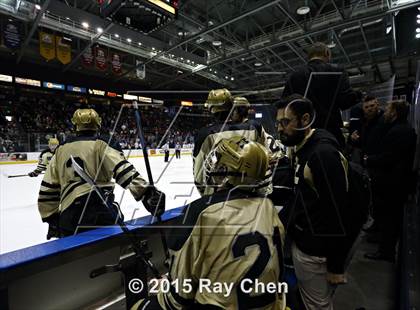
pixel 38 274
pixel 56 275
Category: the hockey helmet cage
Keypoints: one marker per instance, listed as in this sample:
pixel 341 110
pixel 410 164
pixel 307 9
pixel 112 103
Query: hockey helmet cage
pixel 238 162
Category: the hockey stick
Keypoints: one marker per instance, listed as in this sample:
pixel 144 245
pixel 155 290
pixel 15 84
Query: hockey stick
pixel 20 175
pixel 147 163
pixel 136 247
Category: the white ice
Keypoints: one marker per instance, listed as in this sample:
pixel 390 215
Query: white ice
pixel 20 222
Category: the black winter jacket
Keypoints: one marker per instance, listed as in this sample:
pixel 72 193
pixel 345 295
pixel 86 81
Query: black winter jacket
pixel 392 161
pixel 329 91
pixel 321 220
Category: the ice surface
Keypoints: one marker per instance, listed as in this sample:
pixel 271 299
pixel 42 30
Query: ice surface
pixel 20 222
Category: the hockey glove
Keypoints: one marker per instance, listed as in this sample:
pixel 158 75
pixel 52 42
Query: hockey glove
pixel 53 228
pixel 154 201
pixel 32 174
pixel 53 232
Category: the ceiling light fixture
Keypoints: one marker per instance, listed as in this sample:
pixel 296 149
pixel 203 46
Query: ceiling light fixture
pixel 37 6
pixel 99 30
pixel 418 30
pixel 258 64
pixel 116 35
pixel 139 43
pixel 303 8
pixel 85 25
pixel 417 35
pixel 232 78
pixel 128 40
pixel 332 44
pixel 216 43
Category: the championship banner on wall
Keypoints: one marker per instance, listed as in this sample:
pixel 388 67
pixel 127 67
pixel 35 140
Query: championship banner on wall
pixel 116 63
pixel 141 70
pixel 100 58
pixel 87 58
pixel 63 50
pixel 47 45
pixel 11 34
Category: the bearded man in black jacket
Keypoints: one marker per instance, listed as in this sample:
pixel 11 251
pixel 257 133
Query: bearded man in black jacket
pixel 320 223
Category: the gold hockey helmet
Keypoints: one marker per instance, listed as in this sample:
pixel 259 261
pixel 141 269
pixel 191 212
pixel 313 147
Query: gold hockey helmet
pixel 241 102
pixel 86 119
pixel 238 162
pixel 53 141
pixel 219 100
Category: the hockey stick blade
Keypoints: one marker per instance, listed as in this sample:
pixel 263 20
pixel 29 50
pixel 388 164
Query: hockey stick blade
pixel 87 178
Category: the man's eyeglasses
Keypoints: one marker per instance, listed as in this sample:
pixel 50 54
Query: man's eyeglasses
pixel 284 122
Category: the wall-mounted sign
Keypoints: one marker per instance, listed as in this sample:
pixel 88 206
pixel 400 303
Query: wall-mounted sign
pixel 76 89
pixel 6 78
pixel 145 99
pixel 129 97
pixel 28 82
pixel 187 103
pixel 53 85
pixel 96 92
pixel 157 101
pixel 111 94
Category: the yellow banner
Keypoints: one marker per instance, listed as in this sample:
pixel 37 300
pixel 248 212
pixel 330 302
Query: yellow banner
pixel 63 51
pixel 47 45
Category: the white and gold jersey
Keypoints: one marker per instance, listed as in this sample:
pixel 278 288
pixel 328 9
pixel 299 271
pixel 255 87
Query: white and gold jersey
pixel 224 244
pixel 43 161
pixel 103 162
pixel 207 139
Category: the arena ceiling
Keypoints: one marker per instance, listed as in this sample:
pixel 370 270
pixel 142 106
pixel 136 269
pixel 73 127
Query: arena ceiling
pixel 247 45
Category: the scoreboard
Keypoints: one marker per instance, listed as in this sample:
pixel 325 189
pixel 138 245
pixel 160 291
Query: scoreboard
pixel 141 15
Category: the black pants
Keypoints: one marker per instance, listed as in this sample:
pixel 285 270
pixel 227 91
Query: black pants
pixel 389 218
pixel 178 153
pixel 87 213
pixel 166 156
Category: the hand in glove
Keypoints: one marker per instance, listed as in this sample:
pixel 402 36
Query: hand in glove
pixel 32 174
pixel 154 201
pixel 53 232
pixel 53 229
